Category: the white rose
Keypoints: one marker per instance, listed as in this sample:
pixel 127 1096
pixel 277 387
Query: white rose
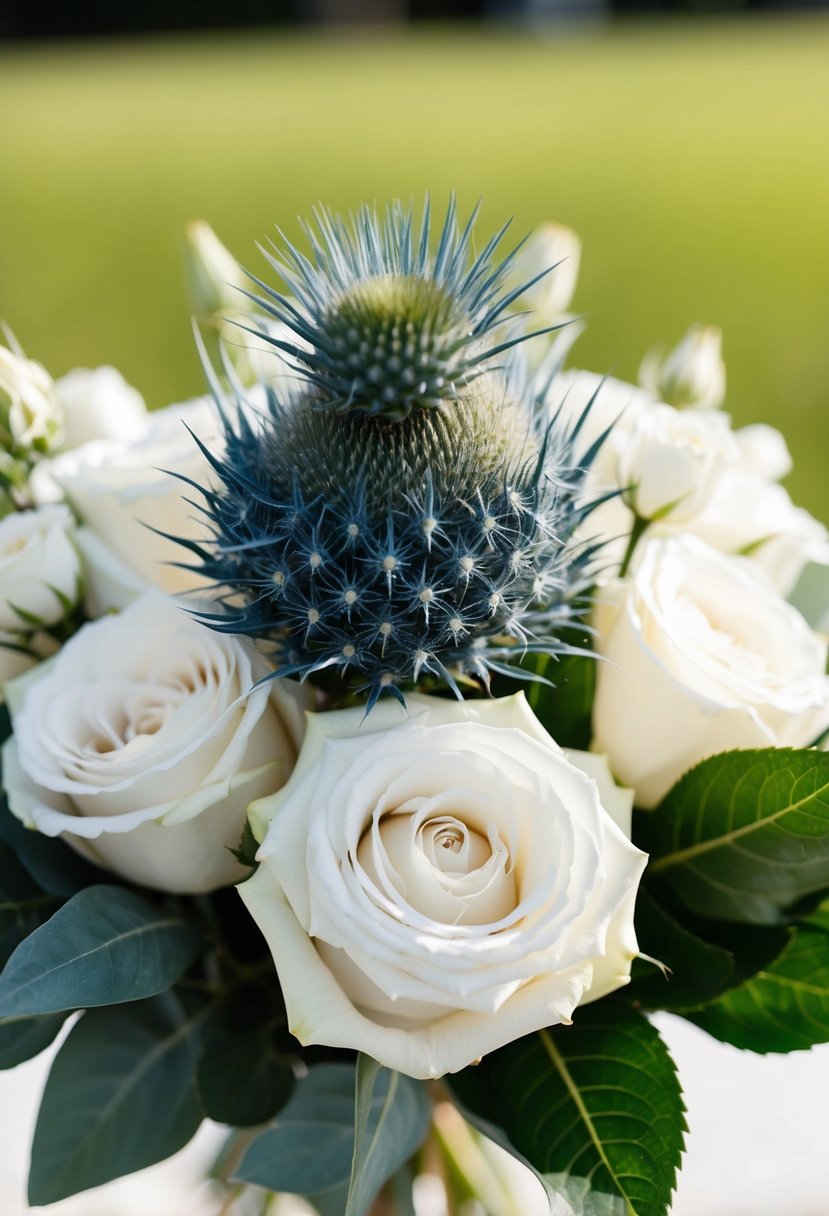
pixel 748 514
pixel 123 489
pixel 20 653
pixel 433 887
pixel 810 594
pixel 692 374
pixel 31 418
pixel 40 572
pixel 763 451
pixel 99 404
pixel 15 658
pixel 110 585
pixel 142 745
pixel 614 405
pixel 669 462
pixel 703 655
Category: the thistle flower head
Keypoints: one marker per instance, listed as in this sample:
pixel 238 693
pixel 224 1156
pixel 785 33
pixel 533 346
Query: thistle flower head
pixel 407 510
pixel 382 324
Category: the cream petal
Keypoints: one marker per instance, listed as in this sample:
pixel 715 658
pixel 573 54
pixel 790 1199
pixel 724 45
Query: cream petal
pixel 702 655
pixel 380 914
pixel 135 745
pixel 319 1012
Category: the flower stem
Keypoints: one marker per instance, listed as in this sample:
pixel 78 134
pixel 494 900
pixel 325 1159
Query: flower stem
pixel 640 526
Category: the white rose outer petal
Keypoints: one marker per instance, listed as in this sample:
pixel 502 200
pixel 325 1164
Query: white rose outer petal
pixel 142 745
pixel 702 655
pixel 122 489
pixel 13 660
pixel 98 403
pixel 670 461
pixel 38 566
pixel 363 967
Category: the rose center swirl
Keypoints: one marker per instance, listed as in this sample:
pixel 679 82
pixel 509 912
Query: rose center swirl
pixel 445 867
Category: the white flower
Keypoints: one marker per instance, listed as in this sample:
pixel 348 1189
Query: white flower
pixel 110 585
pixel 703 655
pixel 614 406
pixel 748 514
pixel 692 374
pixel 669 462
pixel 214 279
pixel 433 887
pixel 763 451
pixel 122 489
pixel 142 745
pixel 549 245
pixel 99 404
pixel 40 573
pixel 18 653
pixel 31 418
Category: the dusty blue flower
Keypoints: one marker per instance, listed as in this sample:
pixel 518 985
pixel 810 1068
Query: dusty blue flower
pixel 408 509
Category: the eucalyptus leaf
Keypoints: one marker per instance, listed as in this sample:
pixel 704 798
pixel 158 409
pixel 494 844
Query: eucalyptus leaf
pixel 594 1108
pixel 56 868
pixel 121 1096
pixel 20 1041
pixel 783 1007
pixel 311 1147
pixel 106 946
pixel 23 906
pixel 243 1078
pixel 390 1123
pixel 743 835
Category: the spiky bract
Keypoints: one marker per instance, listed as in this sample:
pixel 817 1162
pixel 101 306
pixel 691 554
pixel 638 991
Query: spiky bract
pixel 380 323
pixel 379 545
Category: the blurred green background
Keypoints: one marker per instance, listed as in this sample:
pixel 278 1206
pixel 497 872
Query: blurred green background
pixel 691 158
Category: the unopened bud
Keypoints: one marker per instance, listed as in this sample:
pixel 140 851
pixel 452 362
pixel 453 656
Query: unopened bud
pixel 213 276
pixel 692 374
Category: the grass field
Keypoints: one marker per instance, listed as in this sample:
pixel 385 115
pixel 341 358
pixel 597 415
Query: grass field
pixel 691 158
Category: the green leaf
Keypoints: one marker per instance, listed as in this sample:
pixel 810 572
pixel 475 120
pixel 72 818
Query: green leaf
pixel 783 1007
pixel 697 971
pixel 106 946
pixel 594 1108
pixel 245 854
pixel 743 835
pixel 565 705
pixel 310 1148
pixel 243 1078
pixel 390 1123
pixel 23 906
pixel 121 1095
pixel 22 1040
pixel 751 947
pixel 818 917
pixel 55 867
pixel 310 1145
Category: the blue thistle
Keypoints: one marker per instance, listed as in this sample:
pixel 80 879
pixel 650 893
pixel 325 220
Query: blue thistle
pixel 383 324
pixel 407 512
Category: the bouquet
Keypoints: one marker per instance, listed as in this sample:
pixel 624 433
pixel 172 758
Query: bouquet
pixel 391 731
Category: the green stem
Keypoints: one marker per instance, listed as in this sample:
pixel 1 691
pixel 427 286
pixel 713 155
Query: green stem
pixel 640 526
pixel 472 1172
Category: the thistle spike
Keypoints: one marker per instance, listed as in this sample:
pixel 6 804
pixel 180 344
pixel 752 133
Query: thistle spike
pixel 407 511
